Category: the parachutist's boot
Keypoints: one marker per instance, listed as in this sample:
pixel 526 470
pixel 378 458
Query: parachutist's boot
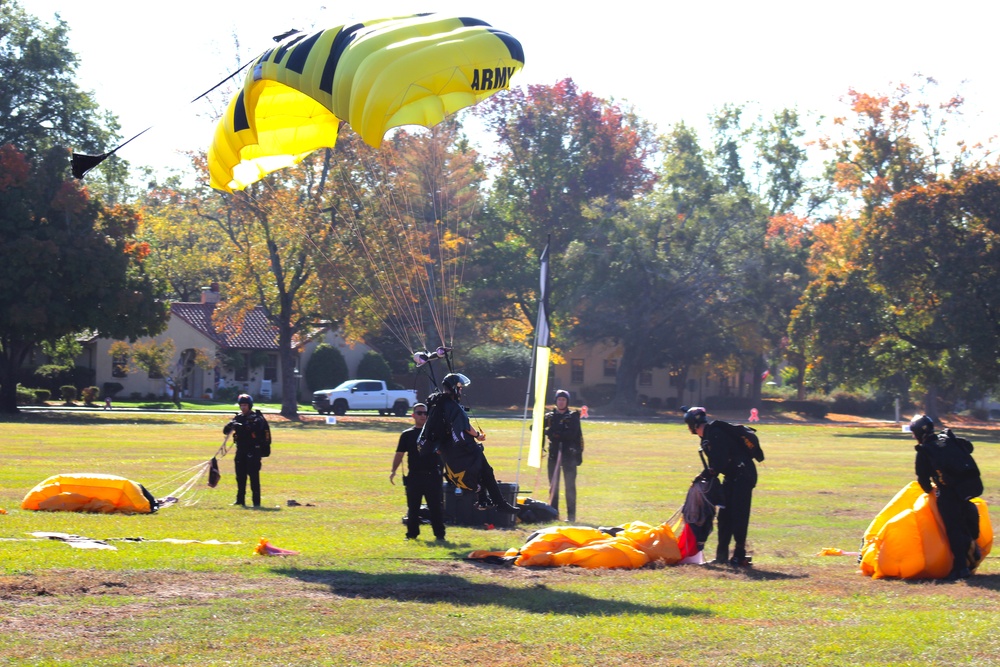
pixel 483 501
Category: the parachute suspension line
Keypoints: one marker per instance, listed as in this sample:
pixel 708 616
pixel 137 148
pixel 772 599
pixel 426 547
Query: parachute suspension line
pixel 170 481
pixel 405 246
pixel 386 270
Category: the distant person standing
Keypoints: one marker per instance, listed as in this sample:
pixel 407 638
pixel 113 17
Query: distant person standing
pixel 252 436
pixel 424 479
pixel 945 468
pixel 730 455
pixel 562 427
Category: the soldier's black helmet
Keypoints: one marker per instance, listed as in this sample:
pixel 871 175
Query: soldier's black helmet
pixel 563 393
pixel 245 398
pixel 921 426
pixel 694 417
pixel 455 382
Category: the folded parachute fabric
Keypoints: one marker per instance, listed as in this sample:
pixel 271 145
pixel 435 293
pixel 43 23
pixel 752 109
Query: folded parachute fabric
pixel 632 545
pixel 907 539
pixel 105 494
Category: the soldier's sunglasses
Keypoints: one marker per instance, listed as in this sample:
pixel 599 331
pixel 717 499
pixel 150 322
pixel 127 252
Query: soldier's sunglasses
pixel 419 412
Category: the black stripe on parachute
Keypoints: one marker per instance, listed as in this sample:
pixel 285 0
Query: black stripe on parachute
pixel 297 61
pixel 240 120
pixel 513 46
pixel 340 44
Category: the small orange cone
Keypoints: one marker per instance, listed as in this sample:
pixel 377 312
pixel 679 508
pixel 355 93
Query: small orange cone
pixel 265 548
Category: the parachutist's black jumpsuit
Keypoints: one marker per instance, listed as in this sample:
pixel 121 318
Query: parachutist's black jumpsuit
pixel 728 457
pixel 958 513
pixel 247 430
pixel 565 446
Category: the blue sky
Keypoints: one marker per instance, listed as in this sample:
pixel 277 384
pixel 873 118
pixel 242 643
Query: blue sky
pixel 676 62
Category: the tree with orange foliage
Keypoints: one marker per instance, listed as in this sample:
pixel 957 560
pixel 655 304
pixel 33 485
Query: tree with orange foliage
pixel 901 273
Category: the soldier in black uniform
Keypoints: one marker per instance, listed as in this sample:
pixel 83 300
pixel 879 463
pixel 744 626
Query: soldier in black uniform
pixel 250 432
pixel 730 458
pixel 424 478
pixel 945 467
pixel 562 427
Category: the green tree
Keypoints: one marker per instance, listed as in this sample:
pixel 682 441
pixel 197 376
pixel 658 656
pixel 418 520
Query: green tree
pixel 374 367
pixel 187 252
pixel 41 106
pixel 560 150
pixel 326 368
pixel 653 277
pixel 67 263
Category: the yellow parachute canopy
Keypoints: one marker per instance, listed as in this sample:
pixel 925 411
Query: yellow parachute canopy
pixel 907 538
pixel 103 494
pixel 635 545
pixel 375 76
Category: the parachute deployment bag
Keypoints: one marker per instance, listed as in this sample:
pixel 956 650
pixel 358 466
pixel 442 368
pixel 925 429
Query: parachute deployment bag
pixel 951 457
pixel 748 438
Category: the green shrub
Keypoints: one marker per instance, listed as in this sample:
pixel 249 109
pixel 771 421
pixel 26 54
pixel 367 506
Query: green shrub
pixel 326 368
pixel 498 360
pixel 227 394
pixel 68 393
pixel 90 394
pixel 42 395
pixel 373 366
pixel 856 403
pixel 25 396
pixel 135 395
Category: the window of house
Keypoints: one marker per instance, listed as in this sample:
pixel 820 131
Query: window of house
pixel 119 366
pixel 576 371
pixel 645 378
pixel 271 368
pixel 243 372
pixel 610 368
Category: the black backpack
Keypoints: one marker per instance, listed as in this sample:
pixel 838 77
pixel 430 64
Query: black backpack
pixel 435 428
pixel 264 446
pixel 748 438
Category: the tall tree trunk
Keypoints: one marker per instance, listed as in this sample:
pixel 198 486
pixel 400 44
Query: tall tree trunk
pixel 628 370
pixel 11 357
pixel 289 357
pixel 755 381
pixel 930 403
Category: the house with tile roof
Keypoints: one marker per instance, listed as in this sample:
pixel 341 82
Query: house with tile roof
pixel 246 358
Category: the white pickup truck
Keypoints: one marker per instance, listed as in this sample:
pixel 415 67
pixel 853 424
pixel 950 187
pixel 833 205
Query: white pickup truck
pixel 363 395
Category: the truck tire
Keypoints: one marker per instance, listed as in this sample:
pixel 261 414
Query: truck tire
pixel 400 407
pixel 340 407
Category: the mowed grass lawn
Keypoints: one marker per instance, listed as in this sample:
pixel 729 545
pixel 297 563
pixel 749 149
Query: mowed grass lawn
pixel 358 594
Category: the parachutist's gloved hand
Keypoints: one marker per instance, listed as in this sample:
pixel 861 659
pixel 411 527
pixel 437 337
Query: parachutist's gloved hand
pixel 228 428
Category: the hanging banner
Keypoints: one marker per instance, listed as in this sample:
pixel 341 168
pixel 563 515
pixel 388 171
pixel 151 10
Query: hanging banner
pixel 538 414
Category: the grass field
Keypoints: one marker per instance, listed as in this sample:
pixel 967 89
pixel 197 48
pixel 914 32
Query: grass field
pixel 358 594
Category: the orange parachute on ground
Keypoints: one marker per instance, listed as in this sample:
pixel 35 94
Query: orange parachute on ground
pixel 630 545
pixel 907 538
pixel 104 494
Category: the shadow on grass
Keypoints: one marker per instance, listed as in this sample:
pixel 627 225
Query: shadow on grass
pixel 82 418
pixel 988 581
pixel 434 587
pixel 754 573
pixel 376 424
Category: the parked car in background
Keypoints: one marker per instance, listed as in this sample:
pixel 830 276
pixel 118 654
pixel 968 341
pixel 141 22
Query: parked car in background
pixel 363 395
